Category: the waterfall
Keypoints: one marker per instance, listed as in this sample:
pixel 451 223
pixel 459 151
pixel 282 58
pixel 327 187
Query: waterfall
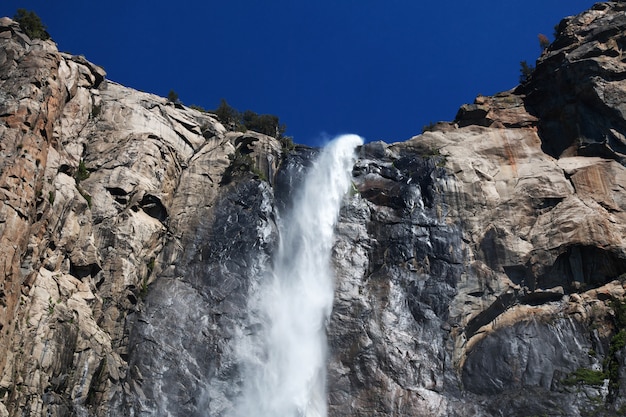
pixel 284 363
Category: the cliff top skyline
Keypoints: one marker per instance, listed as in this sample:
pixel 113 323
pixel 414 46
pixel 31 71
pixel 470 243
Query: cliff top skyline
pixel 382 71
pixel 478 270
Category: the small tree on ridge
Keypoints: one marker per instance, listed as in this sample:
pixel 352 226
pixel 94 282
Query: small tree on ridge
pixel 31 24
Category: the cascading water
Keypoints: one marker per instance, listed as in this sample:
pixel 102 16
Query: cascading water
pixel 284 362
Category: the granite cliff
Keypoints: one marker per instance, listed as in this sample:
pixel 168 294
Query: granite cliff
pixel 480 266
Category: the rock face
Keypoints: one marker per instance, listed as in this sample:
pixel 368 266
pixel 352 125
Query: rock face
pixel 480 266
pixel 578 89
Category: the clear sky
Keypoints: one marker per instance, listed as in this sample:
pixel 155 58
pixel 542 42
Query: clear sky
pixel 380 69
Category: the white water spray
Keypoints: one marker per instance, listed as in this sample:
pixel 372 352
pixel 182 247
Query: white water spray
pixel 285 364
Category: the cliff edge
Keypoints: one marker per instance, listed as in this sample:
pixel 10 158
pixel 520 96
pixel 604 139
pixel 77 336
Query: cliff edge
pixel 480 266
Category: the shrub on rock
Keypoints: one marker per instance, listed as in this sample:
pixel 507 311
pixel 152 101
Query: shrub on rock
pixel 31 24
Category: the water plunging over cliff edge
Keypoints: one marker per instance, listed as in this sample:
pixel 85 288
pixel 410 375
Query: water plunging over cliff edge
pixel 284 363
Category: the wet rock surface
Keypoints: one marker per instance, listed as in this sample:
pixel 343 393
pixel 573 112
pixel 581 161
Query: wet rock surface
pixel 479 266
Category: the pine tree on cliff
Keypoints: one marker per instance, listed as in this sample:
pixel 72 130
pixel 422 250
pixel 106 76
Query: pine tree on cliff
pixel 31 24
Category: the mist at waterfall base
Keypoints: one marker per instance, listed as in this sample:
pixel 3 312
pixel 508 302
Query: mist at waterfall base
pixel 284 363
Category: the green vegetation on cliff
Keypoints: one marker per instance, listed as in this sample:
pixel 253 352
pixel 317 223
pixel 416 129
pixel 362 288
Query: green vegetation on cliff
pixel 267 124
pixel 31 24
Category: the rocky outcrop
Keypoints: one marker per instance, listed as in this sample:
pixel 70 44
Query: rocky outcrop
pixel 577 89
pixel 103 189
pixel 481 272
pixel 479 266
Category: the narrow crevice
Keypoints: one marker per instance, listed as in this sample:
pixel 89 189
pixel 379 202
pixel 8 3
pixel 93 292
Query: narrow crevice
pixel 153 207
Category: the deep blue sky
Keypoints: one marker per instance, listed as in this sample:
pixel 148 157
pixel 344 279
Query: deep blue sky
pixel 381 69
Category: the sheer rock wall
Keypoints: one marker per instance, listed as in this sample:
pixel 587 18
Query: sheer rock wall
pixel 480 265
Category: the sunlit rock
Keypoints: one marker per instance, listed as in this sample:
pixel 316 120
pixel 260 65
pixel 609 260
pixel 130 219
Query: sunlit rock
pixel 478 267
